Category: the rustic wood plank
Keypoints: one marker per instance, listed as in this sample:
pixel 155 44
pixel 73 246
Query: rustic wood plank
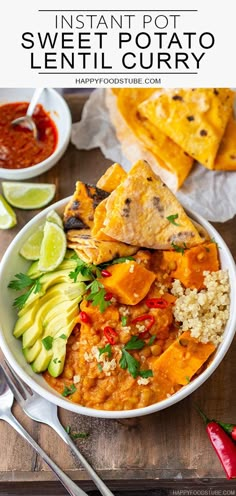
pixel 168 446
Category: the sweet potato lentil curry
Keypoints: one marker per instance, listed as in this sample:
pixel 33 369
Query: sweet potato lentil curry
pixel 143 300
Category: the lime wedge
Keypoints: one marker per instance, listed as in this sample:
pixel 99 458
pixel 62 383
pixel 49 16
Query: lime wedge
pixel 7 216
pixel 53 247
pixel 31 248
pixel 28 195
pixel 54 217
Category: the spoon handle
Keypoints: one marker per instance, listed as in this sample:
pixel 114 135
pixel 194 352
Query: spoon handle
pixel 34 101
pixel 69 485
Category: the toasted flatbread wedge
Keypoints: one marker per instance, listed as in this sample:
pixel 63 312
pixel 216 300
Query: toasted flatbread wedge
pixel 194 118
pixel 226 156
pixel 95 251
pixel 113 176
pixel 161 146
pixel 98 223
pixel 79 212
pixel 142 211
pixel 139 138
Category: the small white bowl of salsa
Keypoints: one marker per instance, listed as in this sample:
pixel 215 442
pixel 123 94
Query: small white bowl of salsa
pixel 21 155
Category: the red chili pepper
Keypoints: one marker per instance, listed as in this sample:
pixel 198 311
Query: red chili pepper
pixel 110 334
pixel 105 273
pixel 157 303
pixel 108 296
pixel 222 444
pixel 141 318
pixel 229 428
pixel 84 317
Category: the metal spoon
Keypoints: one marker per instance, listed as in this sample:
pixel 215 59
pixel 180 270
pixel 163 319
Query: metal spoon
pixel 27 120
pixel 6 401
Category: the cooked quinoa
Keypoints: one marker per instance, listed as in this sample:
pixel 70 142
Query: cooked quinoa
pixel 206 312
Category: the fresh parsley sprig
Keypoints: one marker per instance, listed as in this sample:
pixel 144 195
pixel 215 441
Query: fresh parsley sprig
pixel 23 281
pixel 87 270
pixel 97 295
pixel 130 363
pixel 179 249
pixel 68 390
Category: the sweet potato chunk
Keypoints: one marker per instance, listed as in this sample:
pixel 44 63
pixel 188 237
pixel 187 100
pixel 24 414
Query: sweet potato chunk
pixel 189 266
pixel 129 282
pixel 194 262
pixel 181 361
pixel 112 178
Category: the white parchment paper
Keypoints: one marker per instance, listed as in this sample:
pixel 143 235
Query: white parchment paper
pixel 210 193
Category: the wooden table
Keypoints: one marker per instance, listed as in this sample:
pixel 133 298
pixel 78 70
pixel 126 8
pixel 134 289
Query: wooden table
pixel 166 449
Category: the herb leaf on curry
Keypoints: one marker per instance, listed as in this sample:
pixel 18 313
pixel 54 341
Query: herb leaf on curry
pixel 172 219
pixel 68 390
pixel 106 349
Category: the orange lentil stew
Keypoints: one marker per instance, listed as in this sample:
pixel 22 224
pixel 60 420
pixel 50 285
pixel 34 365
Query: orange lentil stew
pixel 132 355
pixel 18 148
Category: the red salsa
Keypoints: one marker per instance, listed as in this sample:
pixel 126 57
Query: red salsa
pixel 18 148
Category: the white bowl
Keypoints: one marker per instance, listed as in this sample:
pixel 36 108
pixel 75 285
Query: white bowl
pixel 12 263
pixel 59 112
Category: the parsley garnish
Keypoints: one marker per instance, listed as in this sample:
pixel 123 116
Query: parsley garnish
pixel 86 270
pixel 100 367
pixel 115 261
pixel 172 218
pixel 56 360
pixel 212 240
pixel 69 390
pixel 151 340
pixel 134 344
pixel 23 281
pixel 106 349
pixel 79 435
pixel 76 435
pixel 97 293
pixel 179 249
pixel 187 379
pixel 127 361
pixel 146 373
pixel 63 336
pixel 124 320
pixel 47 342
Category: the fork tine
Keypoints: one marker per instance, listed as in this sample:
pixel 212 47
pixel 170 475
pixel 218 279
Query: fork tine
pixel 19 384
pixel 12 386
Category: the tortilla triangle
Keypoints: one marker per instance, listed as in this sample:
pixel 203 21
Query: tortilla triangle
pixel 142 211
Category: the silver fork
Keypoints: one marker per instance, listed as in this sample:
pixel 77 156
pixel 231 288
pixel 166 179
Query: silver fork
pixel 42 410
pixel 6 403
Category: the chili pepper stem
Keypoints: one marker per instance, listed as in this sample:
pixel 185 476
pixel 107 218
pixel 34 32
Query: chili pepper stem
pixel 203 415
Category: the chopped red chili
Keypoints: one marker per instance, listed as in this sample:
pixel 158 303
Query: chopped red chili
pixel 108 296
pixel 84 317
pixel 141 318
pixel 110 334
pixel 105 273
pixel 222 444
pixel 157 303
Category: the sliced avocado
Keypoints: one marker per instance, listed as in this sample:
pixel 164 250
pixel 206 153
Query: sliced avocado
pixel 56 365
pixel 26 320
pixel 36 330
pixel 50 309
pixel 34 271
pixel 42 361
pixel 31 354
